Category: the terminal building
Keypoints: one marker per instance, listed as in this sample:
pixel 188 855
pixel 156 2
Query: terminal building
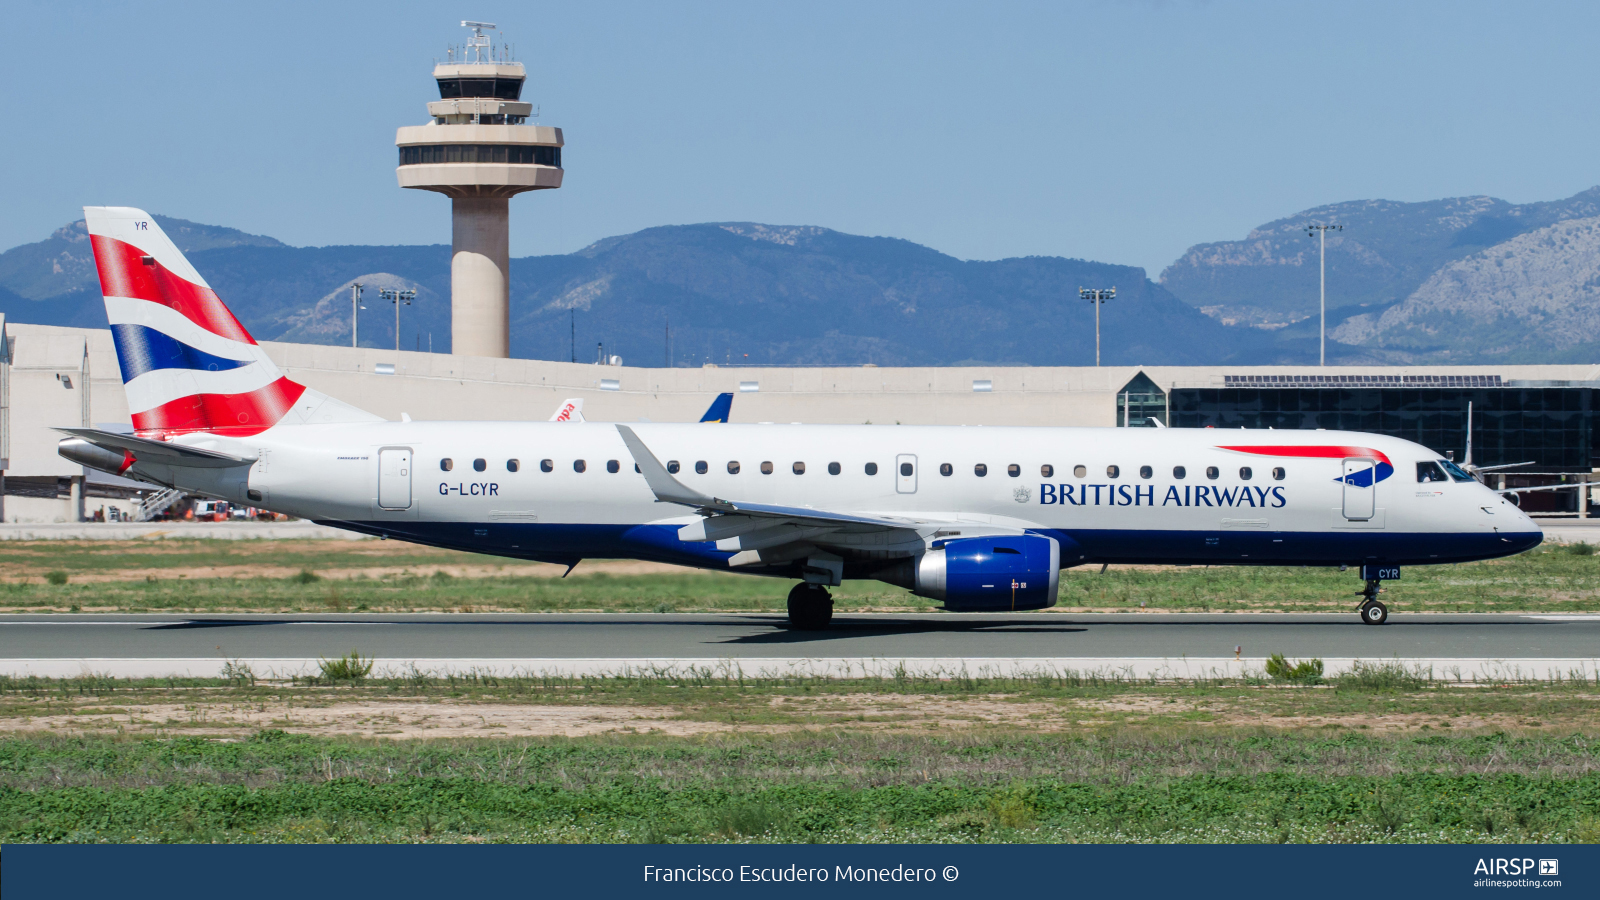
pixel 1542 415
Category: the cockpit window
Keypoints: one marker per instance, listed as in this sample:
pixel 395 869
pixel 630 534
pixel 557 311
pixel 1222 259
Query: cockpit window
pixel 1430 471
pixel 1456 472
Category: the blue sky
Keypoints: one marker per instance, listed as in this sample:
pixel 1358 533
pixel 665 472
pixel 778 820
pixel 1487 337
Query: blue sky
pixel 1119 132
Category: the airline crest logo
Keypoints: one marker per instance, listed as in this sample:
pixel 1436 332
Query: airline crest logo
pixel 187 364
pixel 1365 476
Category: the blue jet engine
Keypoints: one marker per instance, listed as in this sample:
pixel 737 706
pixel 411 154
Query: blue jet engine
pixel 1001 572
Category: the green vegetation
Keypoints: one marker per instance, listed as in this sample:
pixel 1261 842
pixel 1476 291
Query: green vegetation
pixel 1307 671
pixel 1381 755
pixel 823 788
pixel 339 576
pixel 350 667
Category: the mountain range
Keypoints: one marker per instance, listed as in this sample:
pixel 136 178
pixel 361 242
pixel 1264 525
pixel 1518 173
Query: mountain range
pixel 1461 280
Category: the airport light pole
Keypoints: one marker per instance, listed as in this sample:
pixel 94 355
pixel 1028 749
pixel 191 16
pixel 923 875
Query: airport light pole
pixel 355 310
pixel 398 297
pixel 1097 296
pixel 1321 231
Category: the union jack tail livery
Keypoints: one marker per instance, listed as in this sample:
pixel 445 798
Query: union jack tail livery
pixel 187 364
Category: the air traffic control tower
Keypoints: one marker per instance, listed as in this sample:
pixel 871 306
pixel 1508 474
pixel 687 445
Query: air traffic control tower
pixel 478 152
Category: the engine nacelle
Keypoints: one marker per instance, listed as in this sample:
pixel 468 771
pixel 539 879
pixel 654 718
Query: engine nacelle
pixel 999 572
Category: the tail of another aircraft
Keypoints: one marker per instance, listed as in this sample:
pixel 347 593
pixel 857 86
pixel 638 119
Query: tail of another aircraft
pixel 187 364
pixel 720 409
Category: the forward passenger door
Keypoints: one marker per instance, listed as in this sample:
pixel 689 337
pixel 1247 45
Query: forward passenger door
pixel 1360 488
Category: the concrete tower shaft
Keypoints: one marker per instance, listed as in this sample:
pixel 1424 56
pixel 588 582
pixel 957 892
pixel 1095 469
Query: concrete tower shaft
pixel 477 151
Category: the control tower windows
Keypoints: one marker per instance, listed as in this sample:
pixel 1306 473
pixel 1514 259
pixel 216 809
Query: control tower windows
pixel 516 154
pixel 497 88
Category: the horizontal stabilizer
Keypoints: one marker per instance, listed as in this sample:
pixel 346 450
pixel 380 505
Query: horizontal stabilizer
pixel 159 452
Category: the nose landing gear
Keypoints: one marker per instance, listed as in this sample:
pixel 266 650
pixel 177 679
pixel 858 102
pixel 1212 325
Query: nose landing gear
pixel 1373 612
pixel 810 607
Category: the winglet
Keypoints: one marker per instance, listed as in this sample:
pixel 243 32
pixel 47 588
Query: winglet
pixel 666 488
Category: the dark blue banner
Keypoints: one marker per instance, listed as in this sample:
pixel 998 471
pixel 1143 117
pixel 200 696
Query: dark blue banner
pixel 1190 872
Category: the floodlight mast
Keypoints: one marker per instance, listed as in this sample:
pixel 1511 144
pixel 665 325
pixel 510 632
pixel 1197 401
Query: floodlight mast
pixel 355 312
pixel 1098 297
pixel 397 297
pixel 1321 231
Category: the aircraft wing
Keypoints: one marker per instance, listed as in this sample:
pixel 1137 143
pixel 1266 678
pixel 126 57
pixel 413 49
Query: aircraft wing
pixel 763 533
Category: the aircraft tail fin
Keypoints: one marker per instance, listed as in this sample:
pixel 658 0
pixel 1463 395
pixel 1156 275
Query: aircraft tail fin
pixel 569 411
pixel 720 409
pixel 187 364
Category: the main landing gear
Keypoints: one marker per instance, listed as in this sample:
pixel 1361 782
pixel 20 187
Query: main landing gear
pixel 1373 612
pixel 810 607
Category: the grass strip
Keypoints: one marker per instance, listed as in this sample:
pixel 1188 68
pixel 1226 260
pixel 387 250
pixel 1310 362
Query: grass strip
pixel 277 787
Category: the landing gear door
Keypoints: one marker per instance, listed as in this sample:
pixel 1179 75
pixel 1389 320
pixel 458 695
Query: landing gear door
pixel 394 478
pixel 905 473
pixel 1360 480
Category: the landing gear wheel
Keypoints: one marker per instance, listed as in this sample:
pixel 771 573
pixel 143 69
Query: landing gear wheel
pixel 810 607
pixel 1373 612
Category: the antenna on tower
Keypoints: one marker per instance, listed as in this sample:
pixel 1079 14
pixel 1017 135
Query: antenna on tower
pixel 480 45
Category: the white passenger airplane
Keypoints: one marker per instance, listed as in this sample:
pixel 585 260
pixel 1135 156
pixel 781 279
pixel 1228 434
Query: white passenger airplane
pixel 982 519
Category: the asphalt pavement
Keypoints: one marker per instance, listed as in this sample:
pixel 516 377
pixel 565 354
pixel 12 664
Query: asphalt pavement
pixel 144 643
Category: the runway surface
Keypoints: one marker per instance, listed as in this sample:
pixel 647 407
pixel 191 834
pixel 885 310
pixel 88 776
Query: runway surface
pixel 144 644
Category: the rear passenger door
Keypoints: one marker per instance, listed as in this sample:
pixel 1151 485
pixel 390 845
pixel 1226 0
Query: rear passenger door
pixel 394 478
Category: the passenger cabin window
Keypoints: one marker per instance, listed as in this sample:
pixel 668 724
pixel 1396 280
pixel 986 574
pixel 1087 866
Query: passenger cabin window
pixel 1146 472
pixel 513 465
pixel 733 467
pixel 1456 472
pixel 834 468
pixel 547 465
pixel 446 464
pixel 1278 473
pixel 579 465
pixel 946 469
pixel 673 467
pixel 1079 471
pixel 700 467
pixel 613 466
pixel 1112 471
pixel 1245 473
pixel 906 469
pixel 980 470
pixel 1047 471
pixel 872 468
pixel 1179 472
pixel 1213 472
pixel 766 468
pixel 478 465
pixel 1428 471
pixel 798 468
pixel 1013 470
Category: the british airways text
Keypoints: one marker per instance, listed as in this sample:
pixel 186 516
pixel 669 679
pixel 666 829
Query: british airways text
pixel 1145 495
